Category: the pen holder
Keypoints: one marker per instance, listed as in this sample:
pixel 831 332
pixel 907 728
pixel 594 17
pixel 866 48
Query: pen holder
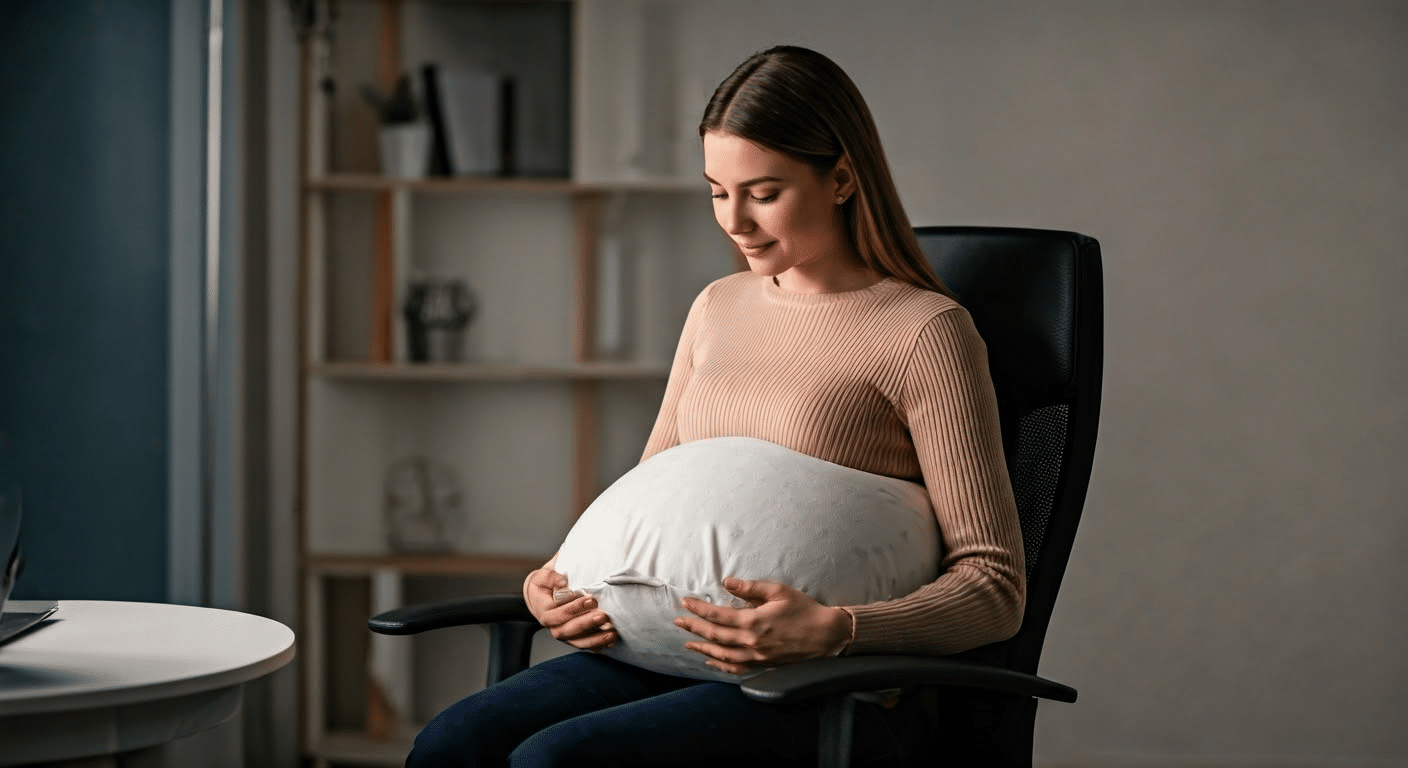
pixel 405 150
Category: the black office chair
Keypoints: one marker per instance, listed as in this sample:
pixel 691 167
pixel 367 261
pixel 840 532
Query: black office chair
pixel 1036 297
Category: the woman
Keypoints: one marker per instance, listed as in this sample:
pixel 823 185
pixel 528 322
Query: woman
pixel 838 342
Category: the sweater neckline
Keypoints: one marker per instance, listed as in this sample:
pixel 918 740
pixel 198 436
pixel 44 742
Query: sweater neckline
pixel 778 295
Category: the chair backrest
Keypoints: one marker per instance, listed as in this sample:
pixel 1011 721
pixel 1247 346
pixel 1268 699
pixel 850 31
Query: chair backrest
pixel 10 556
pixel 1036 297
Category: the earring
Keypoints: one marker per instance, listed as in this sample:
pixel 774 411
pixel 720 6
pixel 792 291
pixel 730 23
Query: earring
pixel 840 199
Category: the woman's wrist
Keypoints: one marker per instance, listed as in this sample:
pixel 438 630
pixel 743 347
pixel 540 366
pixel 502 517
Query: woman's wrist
pixel 843 633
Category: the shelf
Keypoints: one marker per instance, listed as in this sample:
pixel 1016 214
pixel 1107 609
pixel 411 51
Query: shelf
pixel 370 182
pixel 680 186
pixel 449 564
pixel 428 372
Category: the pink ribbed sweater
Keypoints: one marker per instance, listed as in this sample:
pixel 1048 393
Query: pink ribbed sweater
pixel 892 380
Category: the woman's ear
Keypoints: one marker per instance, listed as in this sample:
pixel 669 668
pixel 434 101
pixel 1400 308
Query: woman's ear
pixel 844 178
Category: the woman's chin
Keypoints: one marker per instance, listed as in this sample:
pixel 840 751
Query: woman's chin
pixel 764 267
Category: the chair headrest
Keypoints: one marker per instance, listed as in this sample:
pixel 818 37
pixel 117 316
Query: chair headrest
pixel 1021 287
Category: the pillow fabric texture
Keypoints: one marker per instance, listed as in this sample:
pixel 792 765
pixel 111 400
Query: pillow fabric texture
pixel 685 519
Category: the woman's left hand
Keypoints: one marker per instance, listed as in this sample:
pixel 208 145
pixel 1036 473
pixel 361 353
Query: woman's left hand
pixel 780 625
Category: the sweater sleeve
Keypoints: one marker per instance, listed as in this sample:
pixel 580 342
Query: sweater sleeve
pixel 948 402
pixel 666 433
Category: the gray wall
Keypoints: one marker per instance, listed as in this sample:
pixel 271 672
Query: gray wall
pixel 1236 593
pixel 84 224
pixel 1234 596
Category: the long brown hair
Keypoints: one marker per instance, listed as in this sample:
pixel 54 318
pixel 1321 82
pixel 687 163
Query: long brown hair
pixel 798 102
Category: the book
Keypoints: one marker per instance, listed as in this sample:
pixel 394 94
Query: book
pixel 439 163
pixel 475 108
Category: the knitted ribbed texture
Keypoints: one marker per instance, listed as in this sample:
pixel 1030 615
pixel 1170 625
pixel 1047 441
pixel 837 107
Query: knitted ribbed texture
pixel 892 380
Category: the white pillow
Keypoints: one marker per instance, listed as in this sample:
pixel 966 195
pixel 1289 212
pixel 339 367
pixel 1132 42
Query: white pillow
pixel 685 519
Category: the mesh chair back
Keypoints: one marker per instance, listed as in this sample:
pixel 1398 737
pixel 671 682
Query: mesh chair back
pixel 1036 298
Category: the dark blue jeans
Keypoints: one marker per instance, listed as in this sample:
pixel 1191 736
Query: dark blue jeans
pixel 584 709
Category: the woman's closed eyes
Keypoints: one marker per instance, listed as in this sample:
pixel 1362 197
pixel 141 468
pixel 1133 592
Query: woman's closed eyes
pixel 756 198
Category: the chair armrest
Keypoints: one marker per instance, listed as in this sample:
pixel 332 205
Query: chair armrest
pixel 847 674
pixel 481 609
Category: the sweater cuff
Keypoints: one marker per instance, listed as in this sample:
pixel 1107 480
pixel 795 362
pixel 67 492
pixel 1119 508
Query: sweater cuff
pixel 871 627
pixel 845 648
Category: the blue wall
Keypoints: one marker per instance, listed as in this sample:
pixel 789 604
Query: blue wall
pixel 84 266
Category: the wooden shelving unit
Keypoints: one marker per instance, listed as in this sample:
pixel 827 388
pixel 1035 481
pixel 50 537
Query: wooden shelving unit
pixel 542 411
pixel 590 371
pixel 366 182
pixel 423 565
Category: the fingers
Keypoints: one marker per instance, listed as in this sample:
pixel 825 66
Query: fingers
pixel 729 631
pixel 778 626
pixel 564 596
pixel 562 613
pixel 716 632
pixel 579 624
pixel 727 659
pixel 569 615
pixel 716 614
pixel 581 627
pixel 547 579
pixel 546 590
pixel 540 588
pixel 729 650
pixel 577 619
pixel 597 641
pixel 539 600
pixel 755 593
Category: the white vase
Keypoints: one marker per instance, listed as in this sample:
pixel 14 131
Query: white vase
pixel 405 150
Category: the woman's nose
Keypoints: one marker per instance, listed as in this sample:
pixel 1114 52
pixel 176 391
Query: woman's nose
pixel 734 220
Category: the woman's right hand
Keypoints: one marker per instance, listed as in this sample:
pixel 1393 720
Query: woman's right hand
pixel 575 619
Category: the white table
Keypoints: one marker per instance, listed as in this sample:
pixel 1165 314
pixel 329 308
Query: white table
pixel 111 677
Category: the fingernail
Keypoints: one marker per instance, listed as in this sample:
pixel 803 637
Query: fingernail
pixel 606 627
pixel 590 603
